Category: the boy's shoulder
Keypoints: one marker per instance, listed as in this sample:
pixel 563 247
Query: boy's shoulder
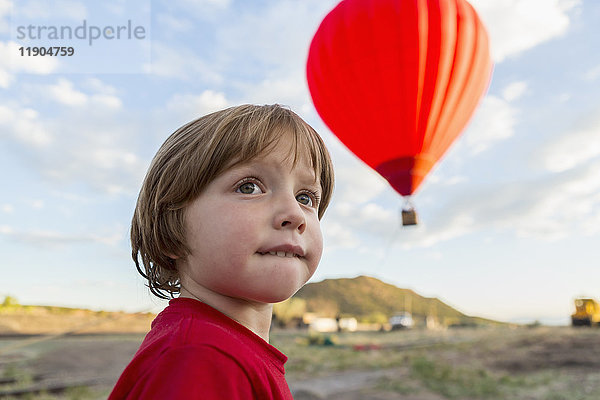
pixel 194 350
pixel 192 324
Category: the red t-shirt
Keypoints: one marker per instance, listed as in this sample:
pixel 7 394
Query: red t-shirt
pixel 195 352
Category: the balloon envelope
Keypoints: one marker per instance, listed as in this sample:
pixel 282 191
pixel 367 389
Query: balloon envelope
pixel 397 80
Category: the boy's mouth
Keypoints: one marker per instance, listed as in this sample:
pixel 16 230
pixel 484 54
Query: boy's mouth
pixel 284 251
pixel 284 254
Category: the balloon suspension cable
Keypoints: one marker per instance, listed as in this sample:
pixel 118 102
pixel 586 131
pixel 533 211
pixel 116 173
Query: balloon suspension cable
pixel 408 213
pixel 391 239
pixel 408 216
pixel 408 204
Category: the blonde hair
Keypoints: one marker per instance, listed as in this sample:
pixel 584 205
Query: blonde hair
pixel 190 159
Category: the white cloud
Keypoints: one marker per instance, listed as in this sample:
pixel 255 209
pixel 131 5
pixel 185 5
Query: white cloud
pixel 549 208
pixel 356 183
pixel 438 179
pixel 12 63
pixel 218 3
pixel 455 180
pixel 102 95
pixel 5 10
pixel 426 234
pixel 494 121
pixel 174 24
pixel 97 86
pixel 288 90
pixel 106 158
pixel 5 78
pixel 200 5
pixel 266 66
pixel 45 10
pixel 106 101
pixel 514 91
pixel 55 238
pixel 360 214
pixel 572 148
pixel 64 93
pixel 97 154
pixel 338 236
pixel 202 11
pixel 564 97
pixel 568 203
pixel 274 54
pixel 181 63
pixel 36 204
pixel 351 223
pixel 71 197
pixel 7 208
pixel 24 126
pixel 92 141
pixel 281 33
pixel 190 106
pixel 519 25
pixel 120 8
pixel 592 74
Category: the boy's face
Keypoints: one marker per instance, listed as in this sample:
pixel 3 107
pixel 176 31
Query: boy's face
pixel 254 232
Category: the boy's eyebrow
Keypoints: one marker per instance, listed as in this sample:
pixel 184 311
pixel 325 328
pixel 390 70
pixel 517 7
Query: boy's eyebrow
pixel 312 182
pixel 308 177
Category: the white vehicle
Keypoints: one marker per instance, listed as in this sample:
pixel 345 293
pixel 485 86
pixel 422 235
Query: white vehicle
pixel 402 320
pixel 348 324
pixel 323 325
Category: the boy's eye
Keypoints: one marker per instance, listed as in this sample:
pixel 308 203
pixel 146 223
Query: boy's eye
pixel 249 188
pixel 307 199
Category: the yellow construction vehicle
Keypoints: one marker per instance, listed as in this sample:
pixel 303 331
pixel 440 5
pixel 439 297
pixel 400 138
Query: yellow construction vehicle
pixel 587 312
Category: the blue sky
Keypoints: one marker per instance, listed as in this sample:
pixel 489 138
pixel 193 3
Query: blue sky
pixel 510 219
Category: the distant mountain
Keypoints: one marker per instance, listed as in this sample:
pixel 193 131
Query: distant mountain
pixel 371 300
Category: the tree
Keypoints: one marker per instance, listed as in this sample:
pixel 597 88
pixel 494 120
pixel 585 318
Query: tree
pixel 10 301
pixel 289 309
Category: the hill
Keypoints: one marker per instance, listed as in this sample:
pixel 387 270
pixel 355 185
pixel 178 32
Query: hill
pixel 371 300
pixel 16 319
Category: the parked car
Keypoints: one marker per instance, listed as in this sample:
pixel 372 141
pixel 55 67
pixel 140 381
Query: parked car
pixel 401 320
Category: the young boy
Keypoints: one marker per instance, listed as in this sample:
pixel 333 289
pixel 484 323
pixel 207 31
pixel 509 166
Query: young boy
pixel 228 217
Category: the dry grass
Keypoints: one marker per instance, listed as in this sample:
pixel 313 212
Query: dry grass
pixel 498 364
pixel 36 320
pixel 541 363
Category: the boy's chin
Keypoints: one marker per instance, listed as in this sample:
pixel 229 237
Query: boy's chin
pixel 279 296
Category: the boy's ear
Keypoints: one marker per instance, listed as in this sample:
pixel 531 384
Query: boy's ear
pixel 173 256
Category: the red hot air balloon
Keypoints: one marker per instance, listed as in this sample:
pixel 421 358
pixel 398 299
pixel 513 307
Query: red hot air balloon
pixel 397 80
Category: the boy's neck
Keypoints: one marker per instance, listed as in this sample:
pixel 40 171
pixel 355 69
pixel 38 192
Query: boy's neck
pixel 254 316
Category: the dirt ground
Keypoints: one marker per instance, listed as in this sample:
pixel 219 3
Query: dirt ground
pixel 548 363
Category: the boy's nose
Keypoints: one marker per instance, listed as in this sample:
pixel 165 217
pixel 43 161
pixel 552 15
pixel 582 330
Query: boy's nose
pixel 289 215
